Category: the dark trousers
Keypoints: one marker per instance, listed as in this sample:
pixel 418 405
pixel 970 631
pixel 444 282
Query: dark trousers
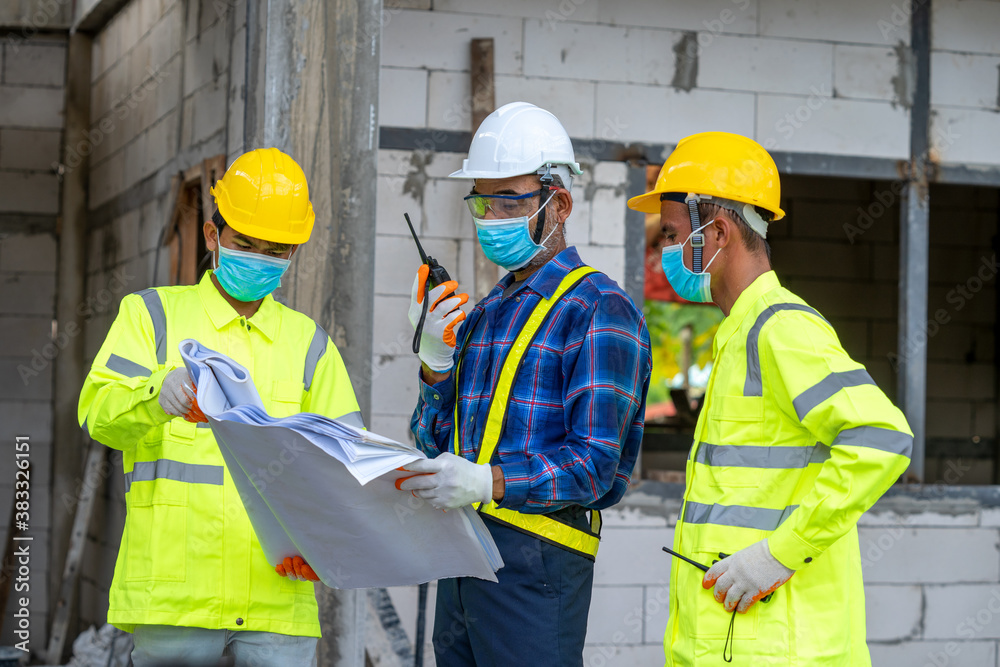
pixel 535 615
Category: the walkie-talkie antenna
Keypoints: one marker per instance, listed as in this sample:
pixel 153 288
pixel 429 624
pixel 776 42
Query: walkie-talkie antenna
pixel 420 248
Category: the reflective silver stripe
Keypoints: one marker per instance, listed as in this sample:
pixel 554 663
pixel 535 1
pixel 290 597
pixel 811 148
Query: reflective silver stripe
pixel 884 439
pixel 754 456
pixel 827 387
pixel 191 473
pixel 353 419
pixel 128 368
pixel 739 516
pixel 155 308
pixel 204 425
pixel 753 385
pixel 317 348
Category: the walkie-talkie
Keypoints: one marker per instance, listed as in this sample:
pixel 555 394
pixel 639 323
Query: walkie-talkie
pixel 437 276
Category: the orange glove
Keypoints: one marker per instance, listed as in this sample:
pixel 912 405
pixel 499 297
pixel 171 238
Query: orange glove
pixel 438 336
pixel 194 414
pixel 747 576
pixel 296 568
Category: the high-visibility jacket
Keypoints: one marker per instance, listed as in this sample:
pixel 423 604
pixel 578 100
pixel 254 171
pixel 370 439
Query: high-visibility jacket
pixel 188 555
pixel 793 444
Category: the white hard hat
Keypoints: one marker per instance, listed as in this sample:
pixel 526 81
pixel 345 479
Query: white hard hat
pixel 517 139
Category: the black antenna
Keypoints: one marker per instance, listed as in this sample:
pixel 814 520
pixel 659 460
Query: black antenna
pixel 420 248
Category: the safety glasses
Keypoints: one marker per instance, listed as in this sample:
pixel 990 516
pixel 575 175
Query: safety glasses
pixel 502 206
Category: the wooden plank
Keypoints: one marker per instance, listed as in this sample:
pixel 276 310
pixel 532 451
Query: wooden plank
pixel 207 205
pixel 192 175
pixel 483 89
pixel 77 541
pixel 483 103
pixel 188 233
pixel 170 224
pixel 212 170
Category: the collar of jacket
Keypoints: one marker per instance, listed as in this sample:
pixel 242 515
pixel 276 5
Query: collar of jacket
pixel 221 313
pixel 545 280
pixel 764 283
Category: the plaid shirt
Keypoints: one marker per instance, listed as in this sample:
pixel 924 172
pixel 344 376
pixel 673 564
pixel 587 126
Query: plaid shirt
pixel 575 416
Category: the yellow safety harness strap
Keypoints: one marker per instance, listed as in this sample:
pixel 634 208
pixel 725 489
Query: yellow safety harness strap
pixel 541 526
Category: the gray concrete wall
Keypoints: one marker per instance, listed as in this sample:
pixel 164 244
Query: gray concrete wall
pixel 797 76
pixel 27 18
pixel 32 74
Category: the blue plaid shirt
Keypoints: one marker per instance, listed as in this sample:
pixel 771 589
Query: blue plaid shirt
pixel 575 416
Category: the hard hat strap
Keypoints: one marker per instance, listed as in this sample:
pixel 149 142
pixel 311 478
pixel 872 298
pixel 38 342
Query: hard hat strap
pixel 546 181
pixel 697 238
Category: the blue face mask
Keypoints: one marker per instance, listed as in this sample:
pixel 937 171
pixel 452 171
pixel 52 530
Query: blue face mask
pixel 696 287
pixel 508 243
pixel 248 276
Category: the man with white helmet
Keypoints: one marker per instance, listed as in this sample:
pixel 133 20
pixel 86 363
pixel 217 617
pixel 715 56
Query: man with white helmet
pixel 532 408
pixel 794 442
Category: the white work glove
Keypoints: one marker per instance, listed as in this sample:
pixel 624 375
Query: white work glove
pixel 438 338
pixel 178 396
pixel 745 577
pixel 449 482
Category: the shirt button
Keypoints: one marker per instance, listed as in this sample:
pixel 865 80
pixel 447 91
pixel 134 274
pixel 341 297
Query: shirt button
pixel 239 621
pixel 437 397
pixel 517 298
pixel 809 560
pixel 472 418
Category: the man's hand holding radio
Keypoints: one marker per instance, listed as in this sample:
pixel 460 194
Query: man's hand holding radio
pixel 441 324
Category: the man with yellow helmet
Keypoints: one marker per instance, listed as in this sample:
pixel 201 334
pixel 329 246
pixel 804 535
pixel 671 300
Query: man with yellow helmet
pixel 191 581
pixel 793 444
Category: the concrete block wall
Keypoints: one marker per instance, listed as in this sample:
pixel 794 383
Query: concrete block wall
pixel 796 76
pixel 961 329
pixel 31 86
pixel 416 182
pixel 32 75
pixel 162 86
pixel 27 309
pixel 965 88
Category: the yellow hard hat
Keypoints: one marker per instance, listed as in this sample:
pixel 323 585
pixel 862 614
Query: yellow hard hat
pixel 264 194
pixel 719 164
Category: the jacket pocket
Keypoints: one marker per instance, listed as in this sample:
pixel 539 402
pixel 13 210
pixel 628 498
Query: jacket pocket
pixel 156 535
pixel 181 431
pixel 733 442
pixel 286 398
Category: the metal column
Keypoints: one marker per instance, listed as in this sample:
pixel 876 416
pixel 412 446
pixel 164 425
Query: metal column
pixel 914 246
